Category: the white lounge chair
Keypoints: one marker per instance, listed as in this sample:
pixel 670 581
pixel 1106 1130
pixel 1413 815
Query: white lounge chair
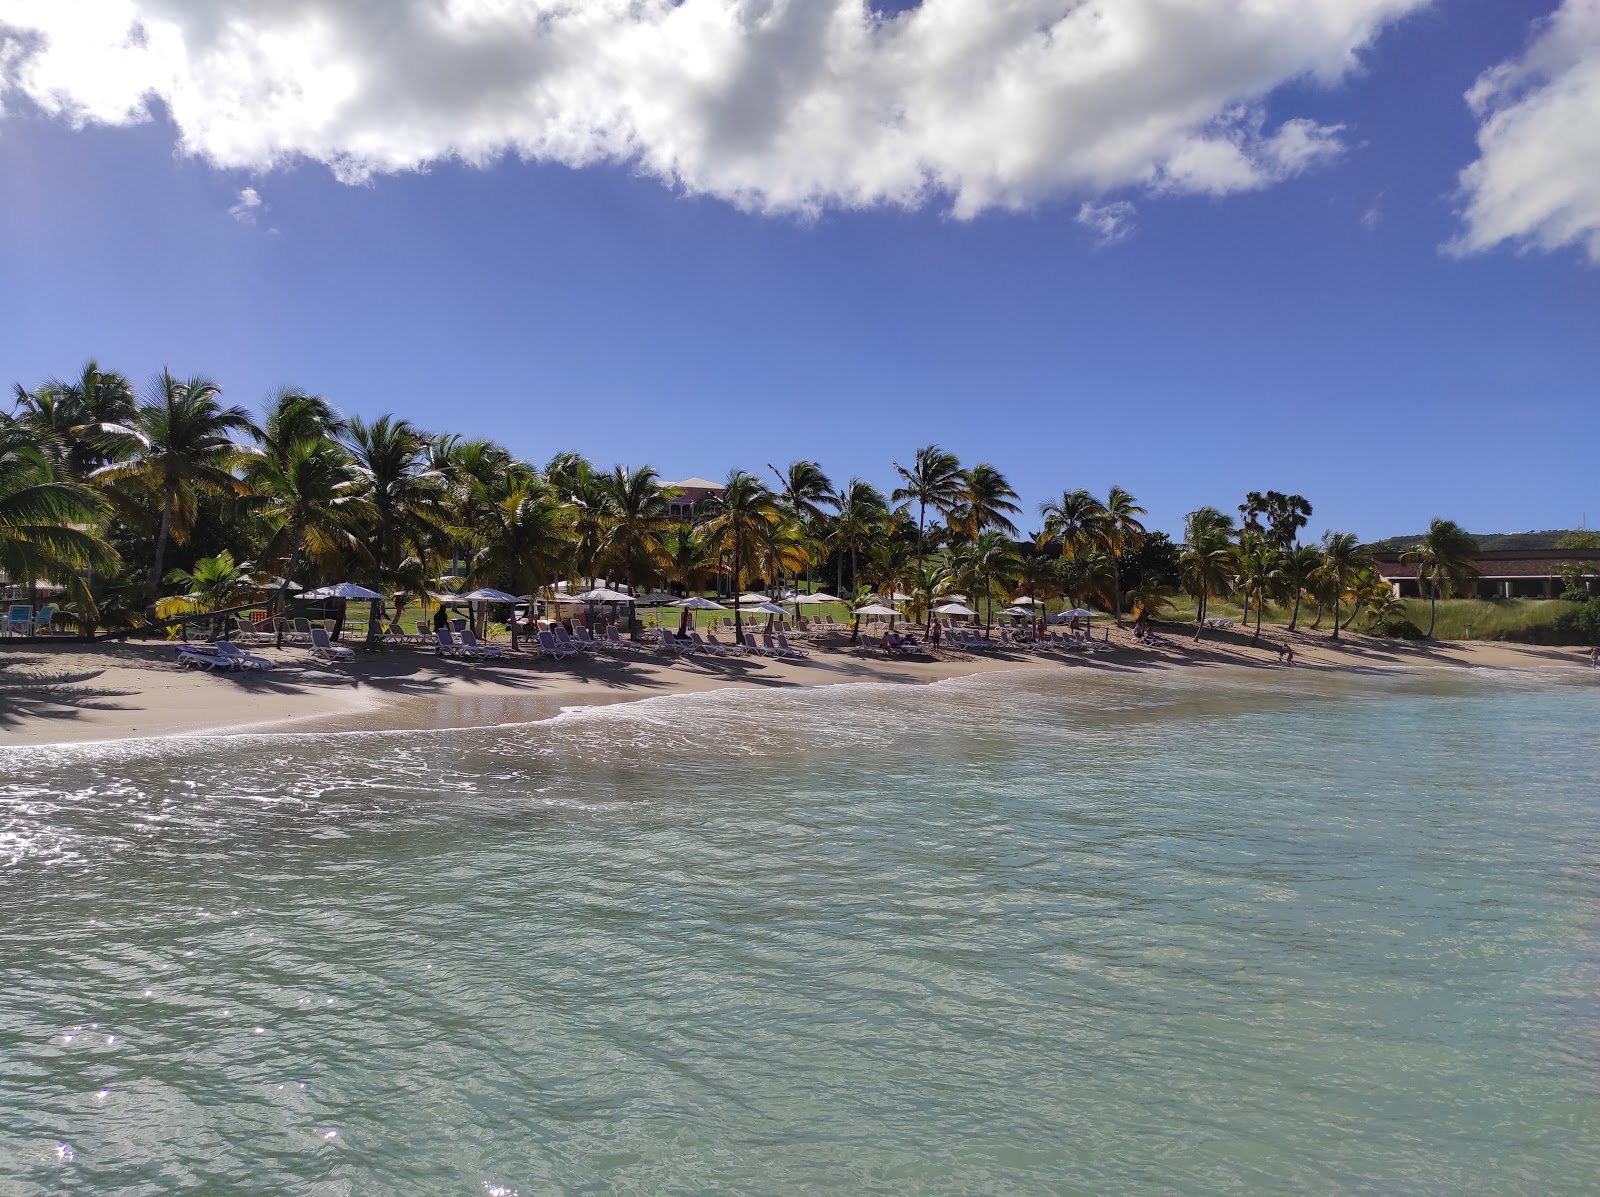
pixel 788 649
pixel 241 659
pixel 732 650
pixel 325 650
pixel 194 656
pixel 470 643
pixel 555 650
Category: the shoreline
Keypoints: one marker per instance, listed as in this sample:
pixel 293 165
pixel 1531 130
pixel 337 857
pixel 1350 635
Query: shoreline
pixel 69 693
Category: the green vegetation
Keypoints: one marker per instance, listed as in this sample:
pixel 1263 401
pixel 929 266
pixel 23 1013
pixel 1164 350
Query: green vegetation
pixel 176 503
pixel 1502 541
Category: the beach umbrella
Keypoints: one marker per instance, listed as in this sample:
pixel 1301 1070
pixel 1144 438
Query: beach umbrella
pixel 342 590
pixel 488 594
pixel 656 598
pixel 1017 611
pixel 1078 613
pixel 692 604
pixel 1024 601
pixel 955 609
pixel 349 590
pixel 874 609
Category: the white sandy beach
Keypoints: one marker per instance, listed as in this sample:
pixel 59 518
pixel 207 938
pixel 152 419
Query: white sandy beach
pixel 63 692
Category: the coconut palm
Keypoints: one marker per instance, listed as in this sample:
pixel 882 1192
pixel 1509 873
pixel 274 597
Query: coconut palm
pixel 1443 558
pixel 1341 558
pixel 987 562
pixel 1087 577
pixel 78 421
pixel 933 480
pixel 44 519
pixel 863 515
pixel 1072 521
pixel 987 501
pixel 684 558
pixel 179 447
pixel 1259 574
pixel 388 458
pixel 633 515
pixel 521 538
pixel 311 504
pixel 1119 531
pixel 808 493
pixel 214 584
pixel 1206 564
pixel 1298 568
pixel 735 525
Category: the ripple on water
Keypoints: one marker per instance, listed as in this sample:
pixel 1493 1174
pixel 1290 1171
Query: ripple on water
pixel 1017 933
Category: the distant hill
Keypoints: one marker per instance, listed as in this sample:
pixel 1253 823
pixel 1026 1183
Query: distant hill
pixel 1486 541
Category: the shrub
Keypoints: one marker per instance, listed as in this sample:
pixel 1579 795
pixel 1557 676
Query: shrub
pixel 1398 628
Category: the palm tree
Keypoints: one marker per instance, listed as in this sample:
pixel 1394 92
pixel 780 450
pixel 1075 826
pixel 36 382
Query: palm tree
pixel 521 538
pixel 38 511
pixel 1119 531
pixel 1443 559
pixel 863 514
pixel 807 492
pixel 1041 576
pixel 214 584
pixel 685 560
pixel 179 448
pixel 1341 557
pixel 404 495
pixel 735 525
pixel 1087 577
pixel 987 501
pixel 1299 568
pixel 633 514
pixel 1071 521
pixel 990 560
pixel 311 503
pixel 1206 564
pixel 77 422
pixel 1260 574
pixel 934 480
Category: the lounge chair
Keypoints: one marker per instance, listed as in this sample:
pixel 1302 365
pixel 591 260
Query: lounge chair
pixel 240 658
pixel 670 642
pixel 748 643
pixel 325 650
pixel 245 632
pixel 446 645
pixel 19 620
pixel 565 640
pixel 614 640
pixel 788 649
pixel 733 650
pixel 195 656
pixel 470 643
pixel 554 650
pixel 398 635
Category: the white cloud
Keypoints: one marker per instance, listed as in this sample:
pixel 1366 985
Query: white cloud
pixel 1536 182
pixel 775 105
pixel 1110 222
pixel 245 210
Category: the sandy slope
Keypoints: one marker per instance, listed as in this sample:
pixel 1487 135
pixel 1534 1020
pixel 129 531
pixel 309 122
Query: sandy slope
pixel 63 692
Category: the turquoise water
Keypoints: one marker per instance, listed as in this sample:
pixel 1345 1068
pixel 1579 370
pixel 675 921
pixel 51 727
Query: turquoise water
pixel 1027 933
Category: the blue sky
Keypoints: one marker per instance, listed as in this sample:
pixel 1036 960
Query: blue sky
pixel 1309 333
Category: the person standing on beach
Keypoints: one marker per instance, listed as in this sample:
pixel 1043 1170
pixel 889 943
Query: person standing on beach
pixel 1288 651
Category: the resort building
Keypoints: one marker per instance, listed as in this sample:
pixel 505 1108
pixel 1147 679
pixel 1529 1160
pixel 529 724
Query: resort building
pixel 689 494
pixel 1507 573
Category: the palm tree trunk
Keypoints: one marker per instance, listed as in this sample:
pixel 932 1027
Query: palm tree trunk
pixel 1116 591
pixel 1260 603
pixel 1294 616
pixel 161 546
pixel 288 576
pixel 1337 596
pixel 738 587
pixel 1433 608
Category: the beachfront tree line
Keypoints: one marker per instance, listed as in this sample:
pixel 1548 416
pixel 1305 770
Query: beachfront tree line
pixel 169 499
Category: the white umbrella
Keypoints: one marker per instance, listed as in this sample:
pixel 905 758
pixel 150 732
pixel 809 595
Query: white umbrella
pixel 764 608
pixel 655 598
pixel 753 600
pixel 1024 601
pixel 1016 611
pixel 279 584
pixel 602 594
pixel 1078 613
pixel 699 604
pixel 486 594
pixel 342 590
pixel 900 596
pixel 954 609
pixel 874 609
